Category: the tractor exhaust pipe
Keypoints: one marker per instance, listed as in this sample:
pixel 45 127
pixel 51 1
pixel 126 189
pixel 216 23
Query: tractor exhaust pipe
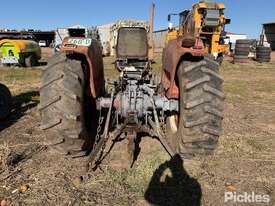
pixel 152 16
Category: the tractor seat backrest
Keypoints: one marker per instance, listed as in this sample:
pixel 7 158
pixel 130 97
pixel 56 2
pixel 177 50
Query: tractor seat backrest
pixel 132 42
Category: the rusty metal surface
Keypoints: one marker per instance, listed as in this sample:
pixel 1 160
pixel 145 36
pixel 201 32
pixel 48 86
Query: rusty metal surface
pixel 172 55
pixel 94 59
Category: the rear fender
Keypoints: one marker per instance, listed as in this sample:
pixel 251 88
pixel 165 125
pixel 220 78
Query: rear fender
pixel 93 56
pixel 173 54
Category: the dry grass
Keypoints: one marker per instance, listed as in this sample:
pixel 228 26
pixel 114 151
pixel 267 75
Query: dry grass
pixel 20 80
pixel 4 153
pixel 137 178
pixel 245 155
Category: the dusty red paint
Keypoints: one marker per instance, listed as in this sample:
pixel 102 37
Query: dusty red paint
pixel 93 55
pixel 172 56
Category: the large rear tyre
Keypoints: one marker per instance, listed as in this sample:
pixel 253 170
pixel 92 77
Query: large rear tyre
pixel 5 102
pixel 196 128
pixel 63 104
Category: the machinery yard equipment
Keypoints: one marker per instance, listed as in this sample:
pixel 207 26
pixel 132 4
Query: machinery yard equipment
pixel 5 102
pixel 210 21
pixel 19 51
pixel 62 33
pixel 194 81
pixel 184 110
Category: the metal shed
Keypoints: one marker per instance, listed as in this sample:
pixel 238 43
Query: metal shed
pixel 269 33
pixel 159 40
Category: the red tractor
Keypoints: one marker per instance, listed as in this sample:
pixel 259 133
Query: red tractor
pixel 184 110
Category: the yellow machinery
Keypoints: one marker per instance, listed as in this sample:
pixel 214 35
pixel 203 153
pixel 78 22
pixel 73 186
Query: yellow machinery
pixel 19 51
pixel 209 21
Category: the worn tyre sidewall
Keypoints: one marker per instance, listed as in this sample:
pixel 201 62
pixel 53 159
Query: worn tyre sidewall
pixel 192 141
pixel 64 81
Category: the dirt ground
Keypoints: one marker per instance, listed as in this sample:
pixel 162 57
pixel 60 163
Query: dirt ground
pixel 33 173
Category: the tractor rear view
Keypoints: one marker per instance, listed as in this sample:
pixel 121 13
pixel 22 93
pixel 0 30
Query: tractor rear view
pixel 83 115
pixel 184 111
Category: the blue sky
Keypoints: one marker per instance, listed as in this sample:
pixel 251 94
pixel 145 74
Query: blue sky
pixel 247 15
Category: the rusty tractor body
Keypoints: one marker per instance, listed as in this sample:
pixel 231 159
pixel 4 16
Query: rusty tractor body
pixel 172 55
pixel 90 51
pixel 183 111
